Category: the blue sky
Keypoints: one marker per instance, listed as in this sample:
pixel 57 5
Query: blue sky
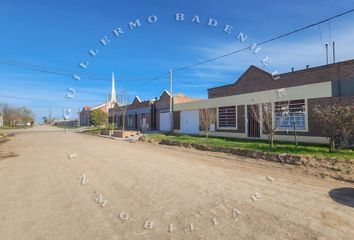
pixel 58 35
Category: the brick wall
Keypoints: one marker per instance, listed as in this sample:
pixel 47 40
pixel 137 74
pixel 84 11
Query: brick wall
pixel 314 126
pixel 255 79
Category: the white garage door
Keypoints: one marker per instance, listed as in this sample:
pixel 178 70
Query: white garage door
pixel 190 122
pixel 165 121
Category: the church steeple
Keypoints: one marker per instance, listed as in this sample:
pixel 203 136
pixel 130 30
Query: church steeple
pixel 113 97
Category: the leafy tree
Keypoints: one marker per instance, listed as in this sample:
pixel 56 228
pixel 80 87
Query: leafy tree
pixel 110 128
pixel 45 119
pixel 337 121
pixel 98 118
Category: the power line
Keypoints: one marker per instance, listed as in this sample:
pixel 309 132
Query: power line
pixel 66 73
pixel 265 41
pixel 46 99
pixel 150 80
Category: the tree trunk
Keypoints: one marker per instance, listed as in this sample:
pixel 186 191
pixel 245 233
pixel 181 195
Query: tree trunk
pixel 332 146
pixel 272 141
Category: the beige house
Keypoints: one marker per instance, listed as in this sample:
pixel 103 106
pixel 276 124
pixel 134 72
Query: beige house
pixel 292 96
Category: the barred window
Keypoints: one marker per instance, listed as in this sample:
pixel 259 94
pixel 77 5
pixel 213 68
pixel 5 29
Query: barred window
pixel 288 113
pixel 227 117
pixel 130 121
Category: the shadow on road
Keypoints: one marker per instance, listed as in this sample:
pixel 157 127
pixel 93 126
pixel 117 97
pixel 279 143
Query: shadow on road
pixel 343 196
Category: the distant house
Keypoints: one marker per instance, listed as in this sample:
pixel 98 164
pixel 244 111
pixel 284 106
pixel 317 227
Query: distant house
pixel 150 115
pixel 86 110
pixel 292 96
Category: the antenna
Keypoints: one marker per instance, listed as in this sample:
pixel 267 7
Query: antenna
pixel 334 52
pixel 326 45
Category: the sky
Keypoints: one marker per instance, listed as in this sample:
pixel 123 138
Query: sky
pixel 56 36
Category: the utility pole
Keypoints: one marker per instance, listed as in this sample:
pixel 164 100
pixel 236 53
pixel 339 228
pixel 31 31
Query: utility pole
pixel 171 101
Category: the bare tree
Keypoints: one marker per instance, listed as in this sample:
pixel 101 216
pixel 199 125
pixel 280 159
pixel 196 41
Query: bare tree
pixel 16 115
pixel 123 106
pixel 207 117
pixel 337 121
pixel 264 116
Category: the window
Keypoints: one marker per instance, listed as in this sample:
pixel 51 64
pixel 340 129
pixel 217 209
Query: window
pixel 289 113
pixel 227 117
pixel 130 121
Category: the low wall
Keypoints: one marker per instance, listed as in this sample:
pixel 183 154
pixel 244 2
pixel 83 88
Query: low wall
pixel 120 133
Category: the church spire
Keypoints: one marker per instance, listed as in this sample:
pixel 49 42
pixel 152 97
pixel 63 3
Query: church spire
pixel 113 91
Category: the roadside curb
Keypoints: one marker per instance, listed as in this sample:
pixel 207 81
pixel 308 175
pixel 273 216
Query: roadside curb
pixel 113 138
pixel 321 167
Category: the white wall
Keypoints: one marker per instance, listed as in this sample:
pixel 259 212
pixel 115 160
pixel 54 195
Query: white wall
pixel 317 90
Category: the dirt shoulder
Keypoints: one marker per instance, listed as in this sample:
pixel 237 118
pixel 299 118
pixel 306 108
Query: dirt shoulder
pixel 44 198
pixel 340 169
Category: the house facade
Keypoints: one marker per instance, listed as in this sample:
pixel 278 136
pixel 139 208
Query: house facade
pixel 291 96
pixel 150 115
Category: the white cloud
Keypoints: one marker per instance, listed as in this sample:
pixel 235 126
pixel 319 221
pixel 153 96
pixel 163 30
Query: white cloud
pixel 284 53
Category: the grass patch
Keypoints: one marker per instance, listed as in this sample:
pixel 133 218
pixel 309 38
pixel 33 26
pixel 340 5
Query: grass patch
pixel 14 127
pixel 259 145
pixel 93 131
pixel 68 127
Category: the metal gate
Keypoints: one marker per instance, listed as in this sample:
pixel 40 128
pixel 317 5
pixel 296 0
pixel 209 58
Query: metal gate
pixel 253 119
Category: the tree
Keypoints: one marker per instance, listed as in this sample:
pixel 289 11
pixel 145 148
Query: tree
pixel 98 118
pixel 13 116
pixel 337 121
pixel 207 117
pixel 45 119
pixel 122 110
pixel 263 114
pixel 110 128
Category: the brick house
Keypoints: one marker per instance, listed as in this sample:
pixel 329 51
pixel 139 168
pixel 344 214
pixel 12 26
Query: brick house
pixel 150 115
pixel 86 111
pixel 292 96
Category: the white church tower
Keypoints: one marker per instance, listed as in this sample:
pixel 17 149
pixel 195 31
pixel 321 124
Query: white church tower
pixel 112 98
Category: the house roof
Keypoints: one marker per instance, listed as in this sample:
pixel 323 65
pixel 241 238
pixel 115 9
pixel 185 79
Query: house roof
pixel 255 79
pixel 182 98
pixel 86 108
pixel 99 106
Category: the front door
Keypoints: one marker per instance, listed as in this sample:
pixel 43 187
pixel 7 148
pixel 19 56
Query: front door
pixel 136 121
pixel 253 119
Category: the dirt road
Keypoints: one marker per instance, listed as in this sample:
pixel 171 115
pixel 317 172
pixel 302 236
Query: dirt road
pixel 202 196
